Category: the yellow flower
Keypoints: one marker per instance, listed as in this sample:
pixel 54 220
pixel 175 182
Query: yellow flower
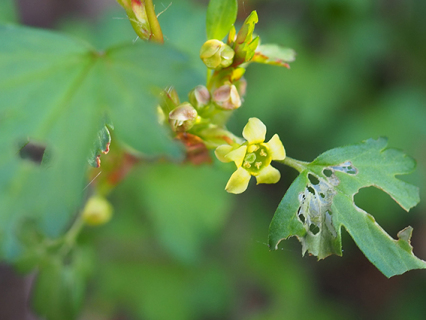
pixel 252 158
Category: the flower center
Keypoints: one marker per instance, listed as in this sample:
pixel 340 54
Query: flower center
pixel 257 157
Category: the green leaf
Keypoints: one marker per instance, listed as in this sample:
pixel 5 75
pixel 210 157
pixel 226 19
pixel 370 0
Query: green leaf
pixel 245 45
pixel 8 12
pixel 142 286
pixel 221 15
pixel 55 91
pixel 321 200
pixel 59 289
pixel 274 55
pixel 101 145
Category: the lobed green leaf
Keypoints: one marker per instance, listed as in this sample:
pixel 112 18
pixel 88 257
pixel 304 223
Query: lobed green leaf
pixel 56 92
pixel 321 200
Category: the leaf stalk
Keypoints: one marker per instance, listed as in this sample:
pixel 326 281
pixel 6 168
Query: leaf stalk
pixel 295 164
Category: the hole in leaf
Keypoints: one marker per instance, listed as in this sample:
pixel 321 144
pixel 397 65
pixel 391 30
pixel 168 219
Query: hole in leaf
pixel 322 195
pixel 314 229
pixel 314 180
pixel 33 152
pixel 329 212
pixel 327 172
pixel 302 218
pixel 346 167
pixel 311 190
pixel 351 170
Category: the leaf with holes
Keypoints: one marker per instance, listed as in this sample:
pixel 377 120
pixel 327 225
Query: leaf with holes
pixel 55 93
pixel 321 200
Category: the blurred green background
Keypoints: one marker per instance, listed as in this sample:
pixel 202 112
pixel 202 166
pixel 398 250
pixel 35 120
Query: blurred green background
pixel 180 247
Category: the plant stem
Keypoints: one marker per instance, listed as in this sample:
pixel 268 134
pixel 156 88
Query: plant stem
pixel 71 236
pixel 295 164
pixel 157 34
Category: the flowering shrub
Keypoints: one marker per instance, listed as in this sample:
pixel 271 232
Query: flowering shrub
pixel 71 103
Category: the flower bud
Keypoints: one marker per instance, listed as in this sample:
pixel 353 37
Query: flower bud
pixel 227 97
pixel 183 117
pixel 136 12
pixel 241 87
pixel 168 100
pixel 199 97
pixel 216 55
pixel 97 211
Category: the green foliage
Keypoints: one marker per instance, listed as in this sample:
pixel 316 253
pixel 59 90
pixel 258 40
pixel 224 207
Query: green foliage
pixel 245 44
pixel 60 286
pixel 8 11
pixel 101 145
pixel 186 216
pixel 56 91
pixel 274 55
pixel 221 16
pixel 176 238
pixel 320 201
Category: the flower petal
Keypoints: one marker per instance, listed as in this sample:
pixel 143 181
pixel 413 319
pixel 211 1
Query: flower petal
pixel 238 182
pixel 222 151
pixel 276 148
pixel 254 131
pixel 268 175
pixel 237 155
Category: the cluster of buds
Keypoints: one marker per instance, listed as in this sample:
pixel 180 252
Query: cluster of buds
pixel 225 97
pixel 200 123
pixel 227 84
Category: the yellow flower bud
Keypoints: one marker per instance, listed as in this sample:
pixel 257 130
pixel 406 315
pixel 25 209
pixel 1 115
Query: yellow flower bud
pixel 97 211
pixel 183 117
pixel 227 97
pixel 216 54
pixel 199 97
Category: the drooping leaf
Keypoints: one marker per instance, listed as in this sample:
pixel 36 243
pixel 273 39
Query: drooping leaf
pixel 321 200
pixel 55 91
pixel 221 15
pixel 274 55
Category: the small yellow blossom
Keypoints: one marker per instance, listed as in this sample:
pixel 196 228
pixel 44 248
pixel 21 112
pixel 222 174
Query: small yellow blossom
pixel 253 157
